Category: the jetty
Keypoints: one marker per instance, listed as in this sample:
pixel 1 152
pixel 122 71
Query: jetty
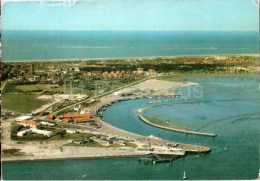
pixel 156 158
pixel 174 129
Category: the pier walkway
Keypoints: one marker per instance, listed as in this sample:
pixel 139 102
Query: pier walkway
pixel 176 130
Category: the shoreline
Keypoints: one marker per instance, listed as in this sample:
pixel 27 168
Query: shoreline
pixel 124 58
pixel 107 129
pixel 26 159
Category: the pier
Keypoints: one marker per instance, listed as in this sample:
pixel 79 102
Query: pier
pixel 176 130
pixel 155 159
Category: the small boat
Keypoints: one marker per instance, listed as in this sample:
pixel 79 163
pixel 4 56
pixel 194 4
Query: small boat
pixel 184 176
pixel 259 175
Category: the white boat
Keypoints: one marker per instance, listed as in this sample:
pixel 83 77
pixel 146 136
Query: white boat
pixel 184 176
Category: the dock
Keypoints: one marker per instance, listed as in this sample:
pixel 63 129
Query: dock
pixel 155 159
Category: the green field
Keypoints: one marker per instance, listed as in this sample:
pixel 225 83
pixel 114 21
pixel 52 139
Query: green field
pixel 20 102
pixel 95 144
pixel 33 88
pixel 38 88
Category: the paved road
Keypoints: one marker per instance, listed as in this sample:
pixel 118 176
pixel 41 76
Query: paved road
pixel 104 94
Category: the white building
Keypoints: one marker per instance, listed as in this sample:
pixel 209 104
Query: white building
pixel 117 93
pixel 21 118
pixel 43 132
pixel 24 132
pixel 46 123
pixel 71 131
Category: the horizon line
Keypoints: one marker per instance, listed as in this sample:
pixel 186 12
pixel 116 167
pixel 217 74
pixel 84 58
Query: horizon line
pixel 124 58
pixel 137 30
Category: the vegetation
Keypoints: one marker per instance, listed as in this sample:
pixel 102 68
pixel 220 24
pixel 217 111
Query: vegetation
pixel 166 123
pixel 12 153
pixel 20 102
pixel 95 144
pixel 69 136
pixel 90 144
pixel 15 128
pixel 38 137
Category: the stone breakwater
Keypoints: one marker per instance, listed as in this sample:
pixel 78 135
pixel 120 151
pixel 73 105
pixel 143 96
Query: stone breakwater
pixel 141 117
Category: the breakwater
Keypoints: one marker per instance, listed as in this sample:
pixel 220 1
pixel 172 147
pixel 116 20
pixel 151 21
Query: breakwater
pixel 141 117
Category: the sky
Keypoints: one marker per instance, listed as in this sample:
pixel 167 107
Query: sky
pixel 128 15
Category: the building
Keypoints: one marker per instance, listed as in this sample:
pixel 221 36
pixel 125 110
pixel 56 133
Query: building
pixel 140 71
pixel 51 116
pixel 22 133
pixel 47 123
pixel 73 116
pixel 71 131
pixel 76 118
pixel 21 118
pixel 65 120
pixel 43 132
pixel 30 123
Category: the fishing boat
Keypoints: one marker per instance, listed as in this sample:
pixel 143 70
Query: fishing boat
pixel 184 176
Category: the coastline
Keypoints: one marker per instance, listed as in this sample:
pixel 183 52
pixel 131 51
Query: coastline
pixel 125 58
pixel 46 158
pixel 106 129
pixel 53 149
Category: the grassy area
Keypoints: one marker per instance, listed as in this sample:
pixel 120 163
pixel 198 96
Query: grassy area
pixel 24 103
pixel 95 144
pixel 173 78
pixel 12 153
pixel 69 136
pixel 90 144
pixel 166 124
pixel 10 88
pixel 185 76
pixel 33 88
pixel 38 137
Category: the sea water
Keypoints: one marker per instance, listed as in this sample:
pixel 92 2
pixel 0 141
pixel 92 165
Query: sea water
pixel 59 45
pixel 229 107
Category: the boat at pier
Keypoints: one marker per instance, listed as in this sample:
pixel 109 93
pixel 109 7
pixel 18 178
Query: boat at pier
pixel 184 176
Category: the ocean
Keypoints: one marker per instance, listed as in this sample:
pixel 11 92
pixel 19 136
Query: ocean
pixel 59 45
pixel 228 107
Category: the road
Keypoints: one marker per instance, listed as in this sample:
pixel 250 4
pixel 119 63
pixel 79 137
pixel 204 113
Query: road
pixel 104 94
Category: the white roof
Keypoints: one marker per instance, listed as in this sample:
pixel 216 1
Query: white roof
pixel 21 118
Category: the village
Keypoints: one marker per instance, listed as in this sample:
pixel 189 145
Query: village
pixel 67 102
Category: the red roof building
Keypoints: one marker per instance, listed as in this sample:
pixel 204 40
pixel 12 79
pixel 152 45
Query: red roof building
pixel 76 118
pixel 30 123
pixel 51 116
pixel 73 116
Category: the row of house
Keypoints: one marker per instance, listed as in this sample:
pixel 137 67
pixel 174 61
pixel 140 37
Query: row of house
pixel 37 131
pixel 121 74
pixel 76 118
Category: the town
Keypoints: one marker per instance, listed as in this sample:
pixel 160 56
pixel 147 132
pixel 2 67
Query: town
pixel 64 101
